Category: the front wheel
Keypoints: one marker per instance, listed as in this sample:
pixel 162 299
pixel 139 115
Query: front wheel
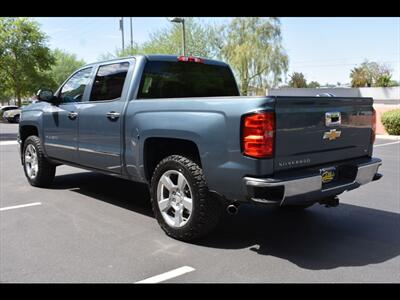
pixel 181 202
pixel 38 170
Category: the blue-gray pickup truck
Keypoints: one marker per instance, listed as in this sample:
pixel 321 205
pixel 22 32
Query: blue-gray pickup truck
pixel 179 125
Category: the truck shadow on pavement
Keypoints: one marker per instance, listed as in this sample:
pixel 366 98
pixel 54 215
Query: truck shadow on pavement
pixel 317 238
pixel 123 193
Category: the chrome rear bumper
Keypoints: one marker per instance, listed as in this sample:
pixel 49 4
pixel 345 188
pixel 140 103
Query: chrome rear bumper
pixel 307 187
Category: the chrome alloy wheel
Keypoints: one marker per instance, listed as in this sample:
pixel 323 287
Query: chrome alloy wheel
pixel 31 161
pixel 174 198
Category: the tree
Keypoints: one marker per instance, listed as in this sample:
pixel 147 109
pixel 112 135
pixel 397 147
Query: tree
pixel 65 64
pixel 371 74
pixel 297 80
pixel 313 84
pixel 169 41
pixel 253 48
pixel 122 53
pixel 5 92
pixel 24 55
pixel 5 95
pixel 383 80
pixel 382 75
pixel 359 77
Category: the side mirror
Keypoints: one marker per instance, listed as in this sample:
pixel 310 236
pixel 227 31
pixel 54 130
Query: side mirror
pixel 45 95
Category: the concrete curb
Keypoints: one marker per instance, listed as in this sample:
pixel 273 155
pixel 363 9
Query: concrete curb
pixel 388 137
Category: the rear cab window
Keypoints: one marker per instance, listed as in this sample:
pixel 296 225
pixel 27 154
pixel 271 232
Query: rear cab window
pixel 168 79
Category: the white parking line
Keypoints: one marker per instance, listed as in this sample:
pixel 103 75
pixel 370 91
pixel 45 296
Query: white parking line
pixel 20 206
pixel 168 275
pixel 392 143
pixel 5 143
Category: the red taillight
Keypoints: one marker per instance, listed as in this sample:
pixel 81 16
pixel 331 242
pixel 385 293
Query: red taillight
pixel 258 134
pixel 373 126
pixel 190 59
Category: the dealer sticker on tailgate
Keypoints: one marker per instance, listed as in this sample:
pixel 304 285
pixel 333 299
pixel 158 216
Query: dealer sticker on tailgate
pixel 328 174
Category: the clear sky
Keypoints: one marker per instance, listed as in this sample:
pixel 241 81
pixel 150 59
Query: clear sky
pixel 323 49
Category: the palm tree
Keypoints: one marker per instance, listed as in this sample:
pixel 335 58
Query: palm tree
pixel 359 77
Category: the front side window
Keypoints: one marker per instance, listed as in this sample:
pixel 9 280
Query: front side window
pixel 109 82
pixel 73 89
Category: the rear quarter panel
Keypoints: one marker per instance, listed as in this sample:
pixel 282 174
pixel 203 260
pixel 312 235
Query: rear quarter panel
pixel 213 124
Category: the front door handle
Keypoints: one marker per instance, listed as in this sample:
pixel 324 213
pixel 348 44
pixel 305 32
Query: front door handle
pixel 72 115
pixel 112 115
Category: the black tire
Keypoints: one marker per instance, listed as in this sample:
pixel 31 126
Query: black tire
pixel 16 119
pixel 206 210
pixel 46 170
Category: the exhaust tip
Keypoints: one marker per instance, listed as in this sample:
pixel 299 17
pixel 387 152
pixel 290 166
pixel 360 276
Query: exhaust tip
pixel 330 201
pixel 232 209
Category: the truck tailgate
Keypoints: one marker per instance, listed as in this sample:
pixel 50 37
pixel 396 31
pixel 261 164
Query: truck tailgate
pixel 309 132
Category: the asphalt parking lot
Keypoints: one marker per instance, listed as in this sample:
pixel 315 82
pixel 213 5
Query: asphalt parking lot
pixel 95 228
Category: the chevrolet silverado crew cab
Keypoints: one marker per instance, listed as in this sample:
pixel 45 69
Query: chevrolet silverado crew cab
pixel 179 125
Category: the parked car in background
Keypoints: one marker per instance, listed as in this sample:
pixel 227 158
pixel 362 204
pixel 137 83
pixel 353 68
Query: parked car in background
pixel 12 116
pixel 5 108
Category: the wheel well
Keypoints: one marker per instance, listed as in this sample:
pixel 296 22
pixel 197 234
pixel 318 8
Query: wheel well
pixel 26 131
pixel 155 149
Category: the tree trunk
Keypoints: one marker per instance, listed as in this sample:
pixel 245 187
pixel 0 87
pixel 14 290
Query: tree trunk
pixel 244 87
pixel 18 96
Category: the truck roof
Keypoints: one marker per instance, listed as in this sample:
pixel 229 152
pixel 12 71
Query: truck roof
pixel 157 57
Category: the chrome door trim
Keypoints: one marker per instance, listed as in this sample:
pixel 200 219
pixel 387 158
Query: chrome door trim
pixel 98 152
pixel 60 146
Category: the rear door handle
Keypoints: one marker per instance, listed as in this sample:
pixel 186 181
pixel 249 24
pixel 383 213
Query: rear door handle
pixel 72 115
pixel 112 115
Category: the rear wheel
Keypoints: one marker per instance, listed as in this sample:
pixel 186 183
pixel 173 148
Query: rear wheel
pixel 181 202
pixel 38 170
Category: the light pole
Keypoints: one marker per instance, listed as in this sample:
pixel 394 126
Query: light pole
pixel 121 27
pixel 180 20
pixel 131 33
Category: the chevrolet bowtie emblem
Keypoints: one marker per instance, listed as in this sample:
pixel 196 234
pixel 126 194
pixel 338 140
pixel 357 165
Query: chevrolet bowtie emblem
pixel 332 134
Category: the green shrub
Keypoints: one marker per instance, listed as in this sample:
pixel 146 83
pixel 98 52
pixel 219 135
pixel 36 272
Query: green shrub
pixel 391 121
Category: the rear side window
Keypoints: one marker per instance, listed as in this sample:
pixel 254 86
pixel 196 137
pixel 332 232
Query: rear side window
pixel 163 79
pixel 109 82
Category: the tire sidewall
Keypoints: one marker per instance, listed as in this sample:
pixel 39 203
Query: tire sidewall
pixel 175 165
pixel 44 176
pixel 30 141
